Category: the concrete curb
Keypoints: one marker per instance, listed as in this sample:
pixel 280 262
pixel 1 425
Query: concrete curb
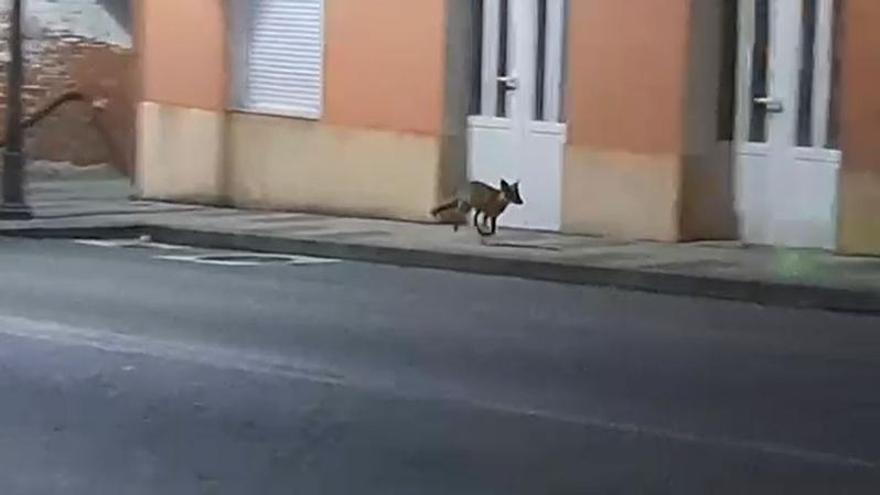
pixel 753 291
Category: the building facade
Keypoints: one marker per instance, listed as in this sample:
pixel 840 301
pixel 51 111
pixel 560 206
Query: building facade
pixel 673 120
pixel 84 45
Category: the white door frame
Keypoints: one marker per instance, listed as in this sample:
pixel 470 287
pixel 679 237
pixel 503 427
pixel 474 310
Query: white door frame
pixel 516 144
pixel 786 193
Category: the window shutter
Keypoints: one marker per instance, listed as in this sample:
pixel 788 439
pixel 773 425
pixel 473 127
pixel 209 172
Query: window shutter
pixel 285 58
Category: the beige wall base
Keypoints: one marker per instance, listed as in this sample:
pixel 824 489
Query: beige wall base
pixel 308 166
pixel 708 206
pixel 859 222
pixel 179 153
pixel 621 195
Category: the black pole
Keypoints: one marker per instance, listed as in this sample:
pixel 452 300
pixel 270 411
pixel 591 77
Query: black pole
pixel 14 206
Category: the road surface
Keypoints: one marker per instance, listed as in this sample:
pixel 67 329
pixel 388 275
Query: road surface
pixel 139 371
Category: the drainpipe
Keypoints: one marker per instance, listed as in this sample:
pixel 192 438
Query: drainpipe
pixel 13 206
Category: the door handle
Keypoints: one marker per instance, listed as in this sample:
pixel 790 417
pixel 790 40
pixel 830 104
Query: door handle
pixel 771 104
pixel 510 83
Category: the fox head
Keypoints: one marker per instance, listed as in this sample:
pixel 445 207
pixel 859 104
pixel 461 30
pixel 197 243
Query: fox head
pixel 511 192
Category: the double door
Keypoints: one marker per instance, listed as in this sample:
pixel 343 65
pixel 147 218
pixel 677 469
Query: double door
pixel 518 134
pixel 786 152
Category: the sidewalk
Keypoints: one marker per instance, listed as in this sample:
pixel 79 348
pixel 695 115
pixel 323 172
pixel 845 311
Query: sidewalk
pixel 100 208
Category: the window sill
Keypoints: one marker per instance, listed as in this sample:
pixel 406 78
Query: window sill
pixel 286 114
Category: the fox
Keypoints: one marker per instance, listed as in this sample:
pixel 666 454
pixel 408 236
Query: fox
pixel 485 200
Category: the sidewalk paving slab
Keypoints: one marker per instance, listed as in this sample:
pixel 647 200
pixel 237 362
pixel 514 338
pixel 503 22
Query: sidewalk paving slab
pixel 800 278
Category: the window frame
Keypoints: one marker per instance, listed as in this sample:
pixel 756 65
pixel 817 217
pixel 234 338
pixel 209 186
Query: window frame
pixel 241 27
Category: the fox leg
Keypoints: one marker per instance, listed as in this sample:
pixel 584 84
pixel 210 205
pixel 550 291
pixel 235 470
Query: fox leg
pixel 489 225
pixel 481 224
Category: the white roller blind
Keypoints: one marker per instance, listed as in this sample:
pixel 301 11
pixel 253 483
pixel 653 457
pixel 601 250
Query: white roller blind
pixel 285 58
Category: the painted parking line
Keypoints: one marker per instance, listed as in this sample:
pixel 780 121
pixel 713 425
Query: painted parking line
pixel 129 243
pixel 207 257
pixel 248 259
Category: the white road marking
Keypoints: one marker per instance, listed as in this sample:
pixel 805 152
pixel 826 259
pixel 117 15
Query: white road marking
pixel 217 258
pixel 124 243
pixel 225 358
pixel 248 259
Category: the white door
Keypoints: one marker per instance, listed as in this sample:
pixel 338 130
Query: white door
pixel 517 132
pixel 786 157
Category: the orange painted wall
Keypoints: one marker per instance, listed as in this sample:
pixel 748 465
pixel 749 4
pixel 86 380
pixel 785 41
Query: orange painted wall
pixel 181 45
pixel 385 64
pixel 860 125
pixel 859 222
pixel 628 71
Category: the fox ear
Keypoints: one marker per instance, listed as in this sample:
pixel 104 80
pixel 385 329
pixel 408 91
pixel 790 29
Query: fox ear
pixel 504 184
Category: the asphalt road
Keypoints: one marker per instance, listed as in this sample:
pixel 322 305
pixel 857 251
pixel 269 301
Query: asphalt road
pixel 123 373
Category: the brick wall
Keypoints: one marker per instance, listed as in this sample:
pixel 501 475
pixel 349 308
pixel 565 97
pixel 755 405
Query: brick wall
pixel 71 45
